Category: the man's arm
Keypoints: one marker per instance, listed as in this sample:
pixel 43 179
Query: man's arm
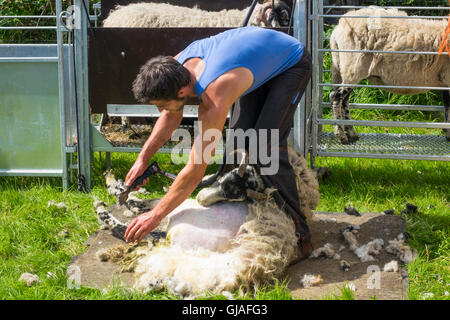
pixel 216 101
pixel 187 180
pixel 161 133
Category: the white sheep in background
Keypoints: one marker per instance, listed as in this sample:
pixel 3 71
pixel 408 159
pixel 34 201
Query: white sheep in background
pixel 163 15
pixel 386 34
pixel 225 246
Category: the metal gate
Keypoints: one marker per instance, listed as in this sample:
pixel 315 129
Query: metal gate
pixel 39 95
pixel 32 116
pixel 39 132
pixel 323 143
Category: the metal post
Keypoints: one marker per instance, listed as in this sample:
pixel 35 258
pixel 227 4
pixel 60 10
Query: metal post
pixel 301 131
pixel 315 80
pixel 320 65
pixel 81 56
pixel 61 90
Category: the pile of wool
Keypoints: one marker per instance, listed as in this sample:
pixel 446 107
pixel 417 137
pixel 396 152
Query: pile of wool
pixel 163 15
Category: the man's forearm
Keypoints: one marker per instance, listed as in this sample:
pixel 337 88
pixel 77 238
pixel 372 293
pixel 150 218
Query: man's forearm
pixel 161 133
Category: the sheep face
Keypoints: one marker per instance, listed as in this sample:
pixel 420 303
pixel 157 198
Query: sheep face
pixel 233 186
pixel 279 15
pixel 275 16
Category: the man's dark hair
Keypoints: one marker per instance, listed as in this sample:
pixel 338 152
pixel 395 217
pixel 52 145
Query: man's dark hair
pixel 160 79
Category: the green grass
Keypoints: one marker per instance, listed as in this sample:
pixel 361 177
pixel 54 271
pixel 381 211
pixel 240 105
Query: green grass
pixel 379 185
pixel 346 294
pixel 29 240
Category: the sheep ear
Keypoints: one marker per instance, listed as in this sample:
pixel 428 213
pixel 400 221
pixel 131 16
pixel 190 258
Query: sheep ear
pixel 243 164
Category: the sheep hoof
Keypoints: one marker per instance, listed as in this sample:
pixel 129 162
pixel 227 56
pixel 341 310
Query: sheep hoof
pixel 352 138
pixel 342 137
pixel 447 134
pixel 322 173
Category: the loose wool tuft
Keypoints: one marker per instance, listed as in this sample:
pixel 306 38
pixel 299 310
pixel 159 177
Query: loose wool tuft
pixel 162 15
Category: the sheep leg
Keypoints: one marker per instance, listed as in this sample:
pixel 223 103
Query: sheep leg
pixel 349 130
pixel 337 98
pixel 446 98
pixel 125 123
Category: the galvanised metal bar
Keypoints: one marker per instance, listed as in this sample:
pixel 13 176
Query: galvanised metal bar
pixel 71 110
pixel 125 110
pixel 384 7
pixel 380 86
pixel 137 149
pixel 381 156
pixel 315 80
pixel 389 52
pixel 321 16
pixel 409 107
pixel 30 173
pixel 28 59
pixel 29 28
pixel 321 58
pixel 27 17
pixel 300 133
pixel 91 17
pixel 81 56
pixel 61 87
pixel 399 124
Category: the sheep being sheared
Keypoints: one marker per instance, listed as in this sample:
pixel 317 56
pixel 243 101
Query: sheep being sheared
pixel 386 34
pixel 225 246
pixel 163 15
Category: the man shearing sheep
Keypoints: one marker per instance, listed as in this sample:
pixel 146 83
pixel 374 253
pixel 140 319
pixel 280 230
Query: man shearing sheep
pixel 263 73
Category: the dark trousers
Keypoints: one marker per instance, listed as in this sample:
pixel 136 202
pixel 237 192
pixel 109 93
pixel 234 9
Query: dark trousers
pixel 272 106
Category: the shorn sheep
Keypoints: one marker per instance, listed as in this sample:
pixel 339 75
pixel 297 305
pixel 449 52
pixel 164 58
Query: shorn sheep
pixel 225 246
pixel 163 15
pixel 386 34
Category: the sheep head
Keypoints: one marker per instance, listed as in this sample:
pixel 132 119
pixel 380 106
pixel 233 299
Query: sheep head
pixel 237 185
pixel 275 16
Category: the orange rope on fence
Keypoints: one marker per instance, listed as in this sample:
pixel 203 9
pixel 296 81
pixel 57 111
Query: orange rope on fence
pixel 444 43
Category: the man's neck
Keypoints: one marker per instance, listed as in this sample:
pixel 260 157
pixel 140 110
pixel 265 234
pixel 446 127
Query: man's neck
pixel 195 67
pixel 191 87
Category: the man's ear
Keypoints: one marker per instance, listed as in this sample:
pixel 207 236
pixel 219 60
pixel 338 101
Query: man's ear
pixel 182 92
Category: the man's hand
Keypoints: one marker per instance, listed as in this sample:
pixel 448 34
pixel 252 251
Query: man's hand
pixel 135 172
pixel 141 226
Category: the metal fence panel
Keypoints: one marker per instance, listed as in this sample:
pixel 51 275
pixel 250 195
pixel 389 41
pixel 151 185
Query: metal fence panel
pixel 370 145
pixel 29 112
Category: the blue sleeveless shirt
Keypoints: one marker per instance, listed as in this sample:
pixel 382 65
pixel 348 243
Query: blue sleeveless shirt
pixel 265 52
